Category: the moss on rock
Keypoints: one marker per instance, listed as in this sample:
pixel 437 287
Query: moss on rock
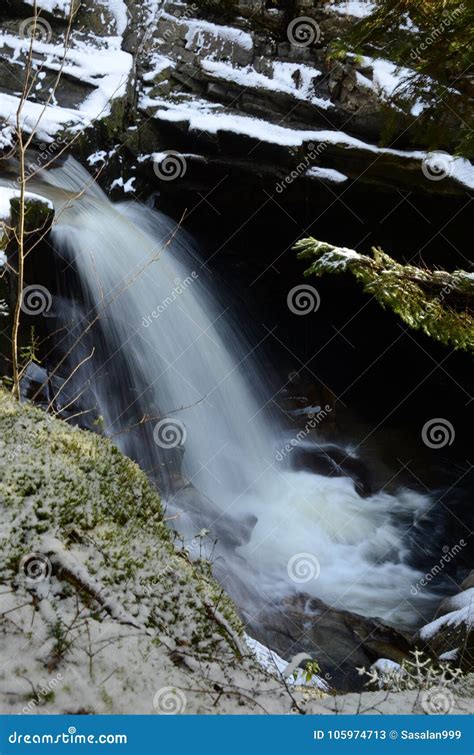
pixel 96 599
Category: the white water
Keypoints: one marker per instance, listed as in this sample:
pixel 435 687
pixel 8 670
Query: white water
pixel 194 356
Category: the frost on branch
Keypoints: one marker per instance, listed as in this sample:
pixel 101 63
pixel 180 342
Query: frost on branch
pixel 421 673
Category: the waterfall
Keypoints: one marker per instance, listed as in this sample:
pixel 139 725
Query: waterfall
pixel 169 371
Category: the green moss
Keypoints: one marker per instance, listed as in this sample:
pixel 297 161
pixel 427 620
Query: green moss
pixel 38 215
pixel 72 496
pixel 437 302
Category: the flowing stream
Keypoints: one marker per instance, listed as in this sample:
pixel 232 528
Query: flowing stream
pixel 163 345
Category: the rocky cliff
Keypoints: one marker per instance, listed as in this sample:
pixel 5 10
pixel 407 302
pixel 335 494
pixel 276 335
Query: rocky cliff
pixel 242 90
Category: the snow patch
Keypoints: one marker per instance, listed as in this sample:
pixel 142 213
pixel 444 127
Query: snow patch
pixel 287 78
pixel 450 655
pixel 274 664
pixel 463 614
pixel 52 6
pixel 198 28
pixel 127 186
pixel 6 137
pixel 158 63
pixel 326 173
pixel 6 195
pixel 119 10
pixel 387 76
pixel 354 8
pixel 207 117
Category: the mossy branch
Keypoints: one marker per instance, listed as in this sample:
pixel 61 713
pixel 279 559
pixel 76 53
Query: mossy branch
pixel 439 303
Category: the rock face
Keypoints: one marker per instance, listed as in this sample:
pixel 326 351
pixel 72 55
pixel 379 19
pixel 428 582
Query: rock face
pixel 241 90
pixel 257 90
pixel 450 636
pixel 340 641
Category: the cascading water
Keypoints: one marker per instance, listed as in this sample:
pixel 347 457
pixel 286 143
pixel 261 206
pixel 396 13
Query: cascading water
pixel 160 345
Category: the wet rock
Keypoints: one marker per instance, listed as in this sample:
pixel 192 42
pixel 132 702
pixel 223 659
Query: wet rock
pixel 451 633
pixel 468 582
pixel 339 640
pixel 194 511
pixel 334 461
pixel 35 382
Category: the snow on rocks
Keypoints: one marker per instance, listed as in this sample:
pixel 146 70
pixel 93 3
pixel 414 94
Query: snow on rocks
pixel 274 664
pixel 6 137
pixel 61 7
pixel 327 174
pixel 51 6
pixel 157 64
pixel 461 616
pixel 45 121
pixel 96 63
pixel 206 117
pixel 450 635
pixel 7 194
pixel 126 186
pixel 198 31
pixel 296 80
pixel 386 672
pixel 118 9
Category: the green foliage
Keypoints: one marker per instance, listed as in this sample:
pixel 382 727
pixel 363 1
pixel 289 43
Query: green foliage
pixel 312 668
pixel 437 302
pixel 29 352
pixel 435 41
